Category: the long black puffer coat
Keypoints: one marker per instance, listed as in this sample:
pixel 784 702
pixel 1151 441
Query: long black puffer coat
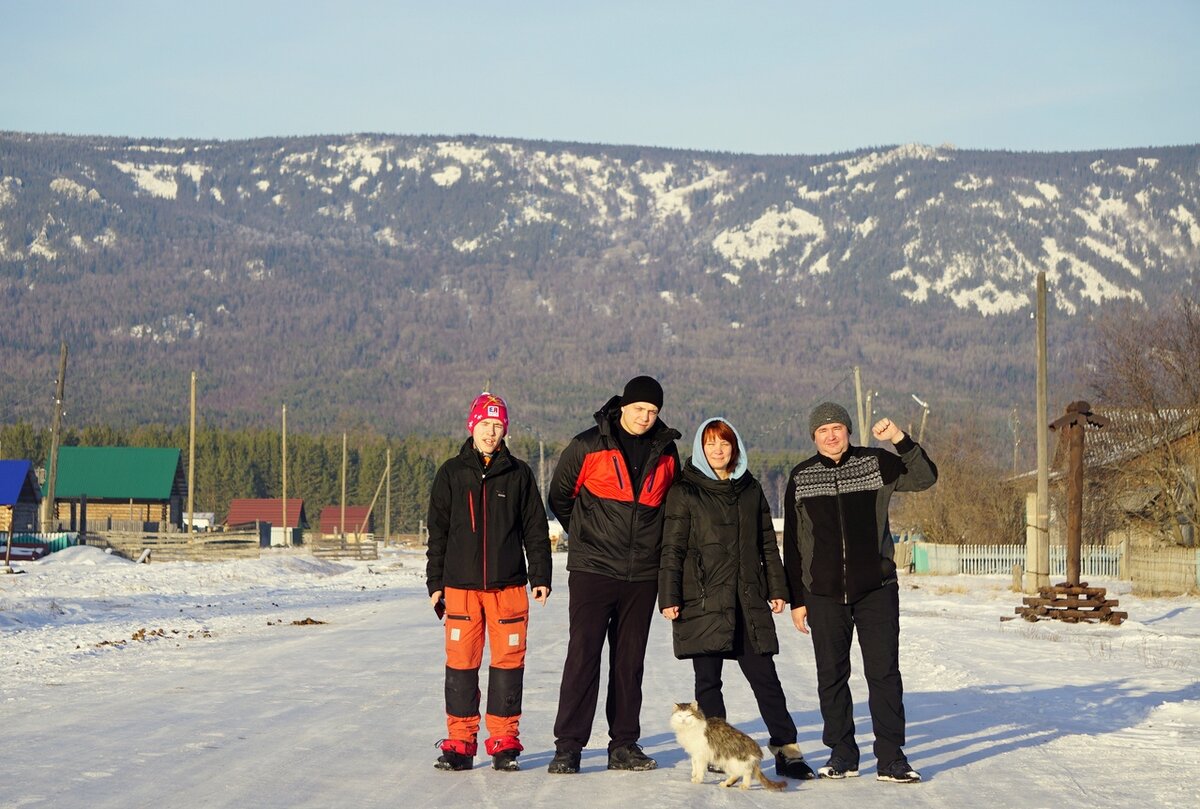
pixel 719 551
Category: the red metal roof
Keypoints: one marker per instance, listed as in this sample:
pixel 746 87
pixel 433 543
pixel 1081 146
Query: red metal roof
pixel 331 517
pixel 269 510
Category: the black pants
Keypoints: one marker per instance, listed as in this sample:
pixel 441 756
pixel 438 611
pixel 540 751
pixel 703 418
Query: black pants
pixel 602 608
pixel 759 671
pixel 876 618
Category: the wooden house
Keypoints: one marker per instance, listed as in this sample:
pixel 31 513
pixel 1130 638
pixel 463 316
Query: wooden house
pixel 121 485
pixel 331 521
pixel 20 497
pixel 1141 478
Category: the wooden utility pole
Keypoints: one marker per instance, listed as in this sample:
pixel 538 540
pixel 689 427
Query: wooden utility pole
pixel 542 469
pixel 858 399
pixel 868 415
pixel 342 521
pixel 1079 416
pixel 49 511
pixel 363 525
pixel 1016 432
pixel 283 453
pixel 1037 559
pixel 192 456
pixel 387 500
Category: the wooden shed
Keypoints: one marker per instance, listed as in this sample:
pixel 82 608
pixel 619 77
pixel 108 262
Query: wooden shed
pixel 269 510
pixel 331 521
pixel 248 510
pixel 20 496
pixel 121 485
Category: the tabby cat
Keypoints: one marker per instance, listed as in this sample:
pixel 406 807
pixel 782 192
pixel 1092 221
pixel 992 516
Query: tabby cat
pixel 714 741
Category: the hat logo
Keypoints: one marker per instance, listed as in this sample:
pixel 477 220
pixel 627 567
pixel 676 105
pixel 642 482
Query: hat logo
pixel 493 411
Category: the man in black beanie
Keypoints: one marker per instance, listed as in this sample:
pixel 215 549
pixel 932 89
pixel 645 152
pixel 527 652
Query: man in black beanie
pixel 839 557
pixel 608 493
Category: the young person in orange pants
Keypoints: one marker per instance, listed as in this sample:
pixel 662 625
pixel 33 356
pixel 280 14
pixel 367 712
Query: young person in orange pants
pixel 486 518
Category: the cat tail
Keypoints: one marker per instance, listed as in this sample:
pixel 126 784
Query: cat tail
pixel 767 782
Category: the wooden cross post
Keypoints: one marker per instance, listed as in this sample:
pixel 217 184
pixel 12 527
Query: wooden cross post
pixel 1078 416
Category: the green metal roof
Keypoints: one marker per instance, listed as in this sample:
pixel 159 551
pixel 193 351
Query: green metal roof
pixel 137 473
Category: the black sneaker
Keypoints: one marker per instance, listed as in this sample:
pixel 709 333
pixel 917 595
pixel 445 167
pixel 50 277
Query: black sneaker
pixel 630 757
pixel 898 772
pixel 565 762
pixel 789 762
pixel 449 760
pixel 506 761
pixel 838 767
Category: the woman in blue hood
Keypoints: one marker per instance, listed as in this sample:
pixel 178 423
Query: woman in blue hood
pixel 721 580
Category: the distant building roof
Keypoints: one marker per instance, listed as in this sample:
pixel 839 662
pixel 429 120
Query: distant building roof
pixel 119 473
pixel 248 510
pixel 331 518
pixel 18 483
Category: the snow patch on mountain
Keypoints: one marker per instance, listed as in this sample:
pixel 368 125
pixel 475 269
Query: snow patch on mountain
pixel 1188 222
pixel 1063 265
pixel 447 177
pixel 73 190
pixel 773 231
pixel 158 180
pixel 1105 251
pixel 675 199
pixel 875 161
pixel 1048 191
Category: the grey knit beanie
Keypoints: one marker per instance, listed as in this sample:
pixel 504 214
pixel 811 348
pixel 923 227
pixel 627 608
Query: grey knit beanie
pixel 828 413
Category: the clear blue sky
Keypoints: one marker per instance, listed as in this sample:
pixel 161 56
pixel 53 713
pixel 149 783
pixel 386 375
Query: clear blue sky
pixel 765 77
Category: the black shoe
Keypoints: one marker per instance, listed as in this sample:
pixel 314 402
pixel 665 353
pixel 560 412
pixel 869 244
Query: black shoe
pixel 789 762
pixel 898 772
pixel 838 767
pixel 506 761
pixel 449 760
pixel 565 762
pixel 630 757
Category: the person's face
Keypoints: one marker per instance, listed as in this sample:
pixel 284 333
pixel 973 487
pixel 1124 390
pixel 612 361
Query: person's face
pixel 638 417
pixel 487 435
pixel 832 440
pixel 718 451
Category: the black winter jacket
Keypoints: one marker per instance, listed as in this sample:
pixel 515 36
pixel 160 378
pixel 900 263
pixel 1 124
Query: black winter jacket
pixel 483 526
pixel 614 525
pixel 836 538
pixel 719 552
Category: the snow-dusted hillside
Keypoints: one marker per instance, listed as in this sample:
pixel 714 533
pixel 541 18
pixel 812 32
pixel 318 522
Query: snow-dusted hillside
pixel 411 240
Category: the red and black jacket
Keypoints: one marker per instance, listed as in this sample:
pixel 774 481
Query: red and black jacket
pixel 614 525
pixel 484 524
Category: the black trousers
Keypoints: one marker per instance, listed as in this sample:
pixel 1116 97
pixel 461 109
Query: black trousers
pixel 602 608
pixel 760 673
pixel 876 618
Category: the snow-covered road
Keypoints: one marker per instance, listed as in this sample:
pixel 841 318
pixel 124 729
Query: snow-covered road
pixel 234 705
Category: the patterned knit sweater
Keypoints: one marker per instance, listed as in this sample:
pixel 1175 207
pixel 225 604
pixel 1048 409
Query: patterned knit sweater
pixel 836 538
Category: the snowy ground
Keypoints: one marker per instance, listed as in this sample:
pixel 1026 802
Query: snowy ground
pixel 234 705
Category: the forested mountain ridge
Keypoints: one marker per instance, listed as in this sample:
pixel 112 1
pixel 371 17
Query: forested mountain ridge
pixel 380 281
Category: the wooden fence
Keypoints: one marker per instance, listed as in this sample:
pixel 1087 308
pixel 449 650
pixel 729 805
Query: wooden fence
pixel 180 547
pixel 1165 571
pixel 345 547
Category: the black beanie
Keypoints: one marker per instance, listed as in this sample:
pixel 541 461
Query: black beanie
pixel 642 389
pixel 828 413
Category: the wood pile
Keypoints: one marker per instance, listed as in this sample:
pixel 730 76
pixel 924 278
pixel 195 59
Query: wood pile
pixel 1072 603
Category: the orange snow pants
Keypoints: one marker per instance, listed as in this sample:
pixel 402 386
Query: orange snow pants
pixel 503 615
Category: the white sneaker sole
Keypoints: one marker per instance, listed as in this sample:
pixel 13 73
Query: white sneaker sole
pixel 911 779
pixel 825 772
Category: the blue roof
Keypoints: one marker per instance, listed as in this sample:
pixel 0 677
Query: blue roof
pixel 18 483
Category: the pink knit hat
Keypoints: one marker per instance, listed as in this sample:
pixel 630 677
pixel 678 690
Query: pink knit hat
pixel 487 406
